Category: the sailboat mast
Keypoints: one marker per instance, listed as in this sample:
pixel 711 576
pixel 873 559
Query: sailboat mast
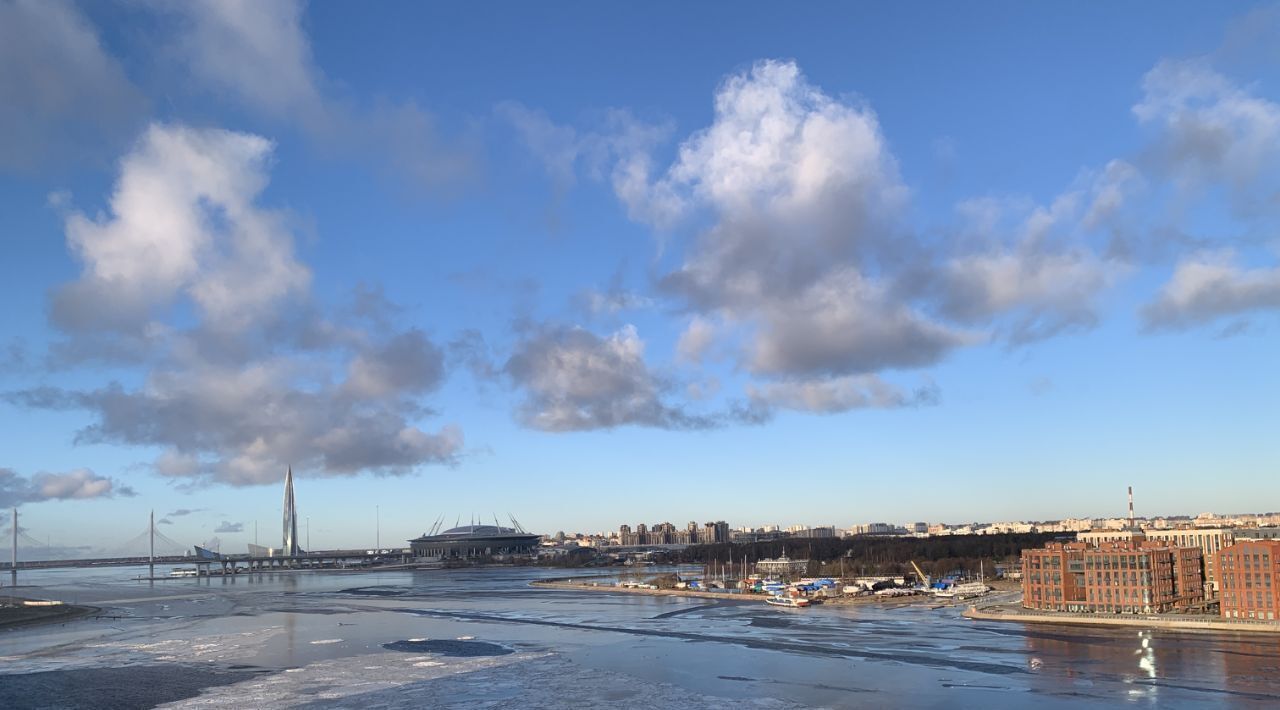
pixel 151 554
pixel 13 571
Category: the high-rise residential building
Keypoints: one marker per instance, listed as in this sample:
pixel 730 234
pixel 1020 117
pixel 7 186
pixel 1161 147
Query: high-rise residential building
pixel 721 531
pixel 1249 578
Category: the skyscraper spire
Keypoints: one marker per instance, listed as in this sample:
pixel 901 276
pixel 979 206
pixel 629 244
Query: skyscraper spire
pixel 290 546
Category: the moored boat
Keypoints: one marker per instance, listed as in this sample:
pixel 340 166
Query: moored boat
pixel 788 602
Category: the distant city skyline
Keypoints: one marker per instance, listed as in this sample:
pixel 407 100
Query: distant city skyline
pixel 818 265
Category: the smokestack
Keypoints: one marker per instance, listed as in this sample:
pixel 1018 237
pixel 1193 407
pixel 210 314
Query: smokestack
pixel 1132 526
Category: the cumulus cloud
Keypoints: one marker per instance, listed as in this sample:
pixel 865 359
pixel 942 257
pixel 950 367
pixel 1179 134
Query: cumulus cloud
pixel 183 222
pixel 806 200
pixel 698 336
pixel 259 54
pixel 180 512
pixel 803 265
pixel 244 425
pixel 1028 271
pixel 799 182
pixel 227 526
pixel 263 378
pixel 406 363
pixel 574 380
pixel 255 51
pixel 1210 285
pixel 1212 130
pixel 62 95
pixel 845 324
pixel 78 484
pixel 1051 292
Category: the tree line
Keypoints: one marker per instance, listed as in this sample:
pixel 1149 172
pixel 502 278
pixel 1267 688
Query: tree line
pixel 874 555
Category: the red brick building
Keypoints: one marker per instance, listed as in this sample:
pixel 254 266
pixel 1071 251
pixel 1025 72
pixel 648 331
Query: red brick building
pixel 1050 580
pixel 1123 577
pixel 1249 577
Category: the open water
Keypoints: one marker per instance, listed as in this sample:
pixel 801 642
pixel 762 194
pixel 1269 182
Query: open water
pixel 484 638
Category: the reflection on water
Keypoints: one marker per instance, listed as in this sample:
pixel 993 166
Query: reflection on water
pixel 1157 665
pixel 414 628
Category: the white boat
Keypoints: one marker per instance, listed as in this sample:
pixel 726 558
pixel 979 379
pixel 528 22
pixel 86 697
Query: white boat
pixel 788 602
pixel 963 591
pixel 184 572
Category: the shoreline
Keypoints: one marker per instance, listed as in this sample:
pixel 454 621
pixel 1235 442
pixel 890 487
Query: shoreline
pixel 692 593
pixel 1171 624
pixel 882 602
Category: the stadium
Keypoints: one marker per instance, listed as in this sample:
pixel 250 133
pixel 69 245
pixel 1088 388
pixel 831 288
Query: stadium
pixel 475 541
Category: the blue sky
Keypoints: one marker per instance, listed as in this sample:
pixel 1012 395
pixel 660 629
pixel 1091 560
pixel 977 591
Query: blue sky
pixel 593 264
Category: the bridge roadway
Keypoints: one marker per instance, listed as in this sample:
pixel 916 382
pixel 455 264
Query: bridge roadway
pixel 236 564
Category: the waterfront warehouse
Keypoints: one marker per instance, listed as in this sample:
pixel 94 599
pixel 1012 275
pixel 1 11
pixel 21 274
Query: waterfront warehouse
pixel 475 541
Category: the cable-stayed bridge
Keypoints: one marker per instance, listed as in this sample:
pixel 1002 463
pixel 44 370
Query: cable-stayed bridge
pixel 152 547
pixel 30 552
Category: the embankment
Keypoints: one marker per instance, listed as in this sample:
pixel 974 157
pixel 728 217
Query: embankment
pixel 1143 622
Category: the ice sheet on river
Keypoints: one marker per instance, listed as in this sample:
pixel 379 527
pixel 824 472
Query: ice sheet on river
pixel 394 680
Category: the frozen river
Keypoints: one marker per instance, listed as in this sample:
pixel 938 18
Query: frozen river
pixel 484 638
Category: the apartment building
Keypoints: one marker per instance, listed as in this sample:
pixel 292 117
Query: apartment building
pixel 1117 577
pixel 1249 574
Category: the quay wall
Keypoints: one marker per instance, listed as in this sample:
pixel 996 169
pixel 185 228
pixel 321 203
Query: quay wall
pixel 1146 622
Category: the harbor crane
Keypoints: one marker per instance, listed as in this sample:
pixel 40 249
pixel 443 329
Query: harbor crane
pixel 920 573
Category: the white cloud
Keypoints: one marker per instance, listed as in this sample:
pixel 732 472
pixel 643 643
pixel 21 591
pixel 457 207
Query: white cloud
pixel 618 150
pixel 253 377
pixel 575 380
pixel 183 222
pixel 806 199
pixel 1048 292
pixel 1211 285
pixel 77 484
pixel 1112 189
pixel 800 184
pixel 840 394
pixel 63 97
pixel 255 50
pixel 846 324
pixel 696 339
pixel 259 54
pixel 1211 129
pixel 808 255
